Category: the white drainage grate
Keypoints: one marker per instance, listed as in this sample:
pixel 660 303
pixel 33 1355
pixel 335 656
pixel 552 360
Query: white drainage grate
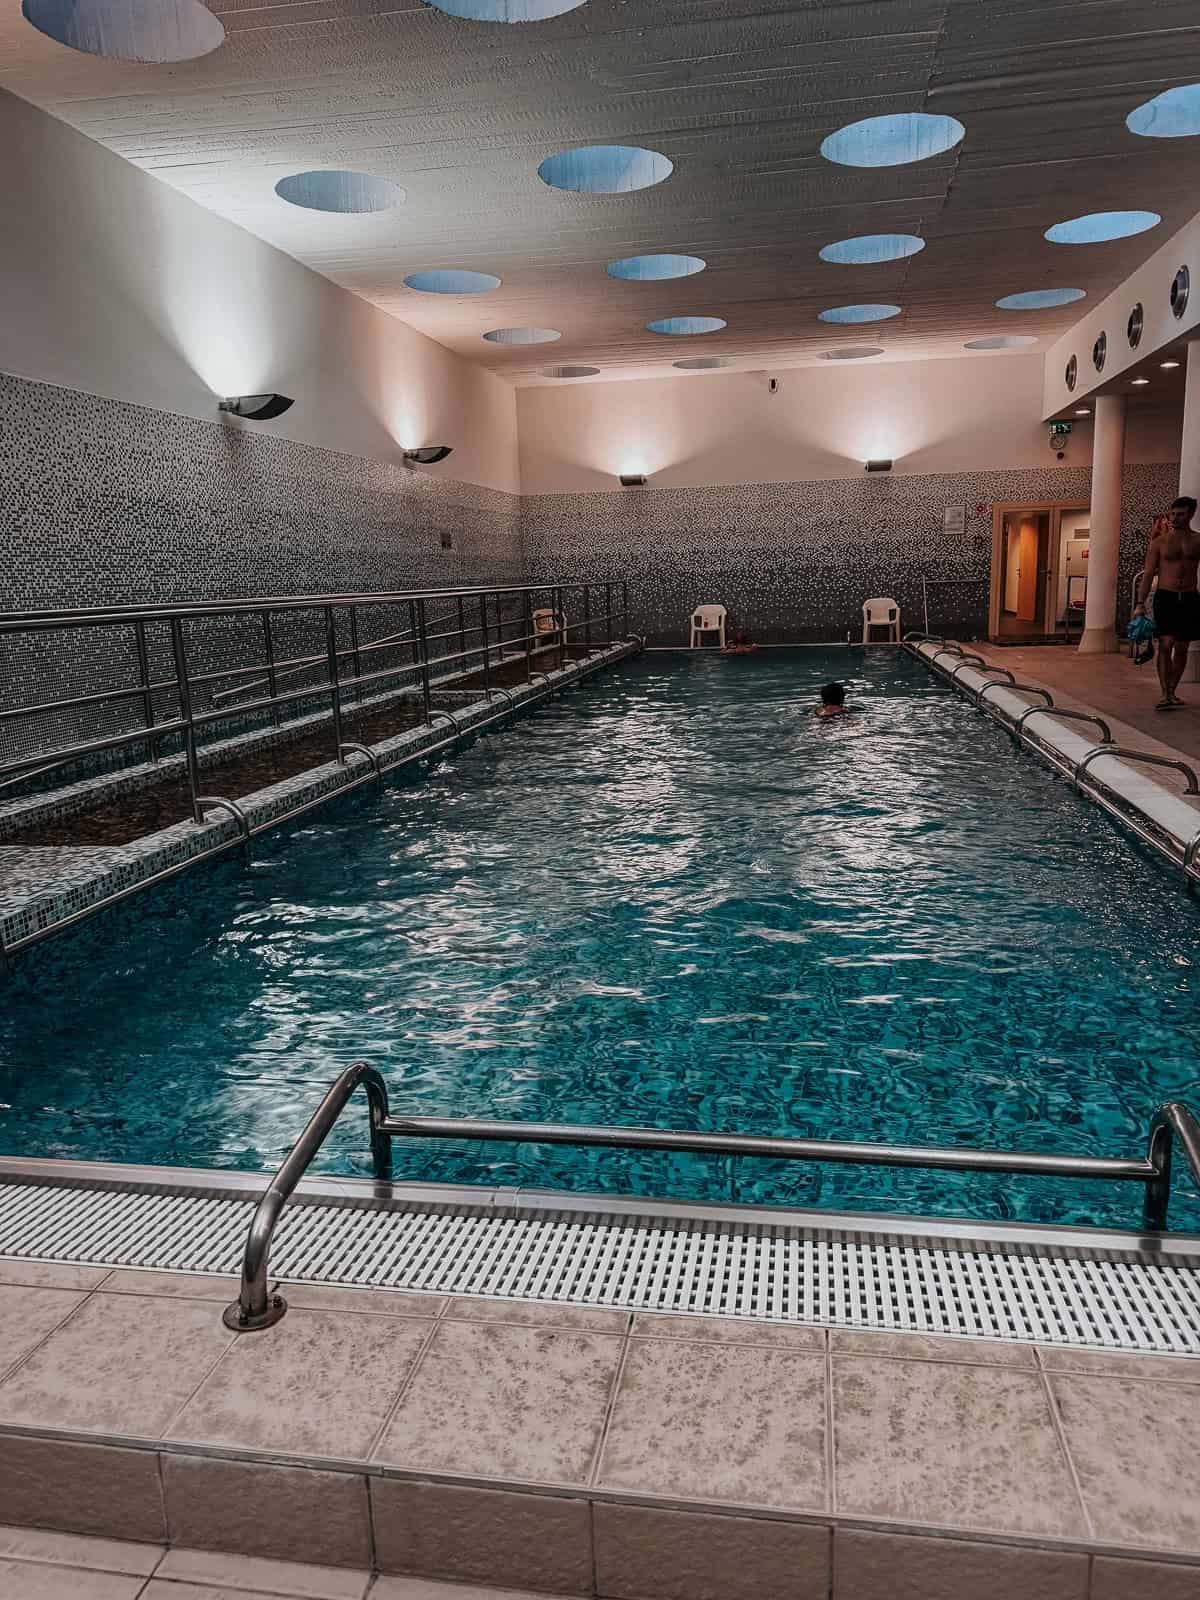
pixel 743 1269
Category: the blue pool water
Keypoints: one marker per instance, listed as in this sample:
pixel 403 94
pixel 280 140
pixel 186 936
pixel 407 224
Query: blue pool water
pixel 670 897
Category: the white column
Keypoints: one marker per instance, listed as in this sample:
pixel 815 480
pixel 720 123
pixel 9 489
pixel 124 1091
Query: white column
pixel 1104 537
pixel 1189 465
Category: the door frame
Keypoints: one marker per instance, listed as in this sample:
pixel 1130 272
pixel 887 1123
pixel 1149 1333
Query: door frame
pixel 1004 508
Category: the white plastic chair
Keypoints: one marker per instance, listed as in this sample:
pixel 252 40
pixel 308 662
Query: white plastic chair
pixel 708 619
pixel 881 612
pixel 550 625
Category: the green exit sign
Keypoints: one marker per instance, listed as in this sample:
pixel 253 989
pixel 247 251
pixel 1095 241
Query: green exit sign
pixel 1060 427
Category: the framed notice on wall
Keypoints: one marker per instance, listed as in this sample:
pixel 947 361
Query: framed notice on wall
pixel 955 519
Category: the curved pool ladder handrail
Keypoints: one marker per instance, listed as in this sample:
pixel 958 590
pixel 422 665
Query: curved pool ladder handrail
pixel 256 1308
pixel 235 811
pixel 916 637
pixel 1189 853
pixel 946 650
pixel 449 717
pixel 1123 754
pixel 499 689
pixel 1061 711
pixel 362 750
pixel 544 676
pixel 1009 677
pixel 967 661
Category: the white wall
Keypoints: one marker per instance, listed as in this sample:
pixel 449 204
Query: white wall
pixel 114 284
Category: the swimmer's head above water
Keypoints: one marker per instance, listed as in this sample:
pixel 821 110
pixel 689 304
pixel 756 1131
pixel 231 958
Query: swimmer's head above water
pixel 833 701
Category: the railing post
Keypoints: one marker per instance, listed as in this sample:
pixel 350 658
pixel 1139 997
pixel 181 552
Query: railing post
pixel 587 618
pixel 608 605
pixel 528 598
pixel 423 645
pixel 462 635
pixel 1158 1188
pixel 354 653
pixel 143 655
pixel 272 681
pixel 625 608
pixel 486 647
pixel 183 688
pixel 334 681
pixel 560 616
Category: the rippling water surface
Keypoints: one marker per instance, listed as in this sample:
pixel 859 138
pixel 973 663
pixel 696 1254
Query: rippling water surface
pixel 671 898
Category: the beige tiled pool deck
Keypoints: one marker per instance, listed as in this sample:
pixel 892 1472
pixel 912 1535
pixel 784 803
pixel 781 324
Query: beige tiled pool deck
pixel 571 1450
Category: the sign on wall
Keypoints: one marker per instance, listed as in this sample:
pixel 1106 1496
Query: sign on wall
pixel 955 520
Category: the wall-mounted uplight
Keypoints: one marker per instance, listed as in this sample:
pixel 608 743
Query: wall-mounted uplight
pixel 256 407
pixel 428 454
pixel 633 480
pixel 881 464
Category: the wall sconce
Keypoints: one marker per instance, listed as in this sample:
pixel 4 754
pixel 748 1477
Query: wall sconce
pixel 428 454
pixel 257 407
pixel 633 480
pixel 879 466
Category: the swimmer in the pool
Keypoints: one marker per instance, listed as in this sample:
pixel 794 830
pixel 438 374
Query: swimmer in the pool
pixel 833 702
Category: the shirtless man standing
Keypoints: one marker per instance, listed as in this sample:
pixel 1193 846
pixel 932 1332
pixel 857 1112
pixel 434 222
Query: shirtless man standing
pixel 1175 557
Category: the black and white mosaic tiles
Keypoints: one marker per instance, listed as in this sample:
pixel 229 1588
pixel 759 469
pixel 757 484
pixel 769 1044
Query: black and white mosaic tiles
pixel 795 561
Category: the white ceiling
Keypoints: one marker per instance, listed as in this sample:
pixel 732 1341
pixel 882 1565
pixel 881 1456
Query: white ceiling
pixel 739 94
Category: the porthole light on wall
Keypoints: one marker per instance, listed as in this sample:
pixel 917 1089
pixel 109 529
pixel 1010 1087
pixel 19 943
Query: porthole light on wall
pixel 506 10
pixel 681 326
pixel 1136 326
pixel 605 169
pixel 129 30
pixel 1002 341
pixel 1100 352
pixel 700 363
pixel 1100 226
pixel 449 280
pixel 1071 375
pixel 1040 299
pixel 893 141
pixel 869 313
pixel 870 248
pixel 653 269
pixel 334 190
pixel 569 372
pixel 1174 114
pixel 854 352
pixel 1181 289
pixel 522 335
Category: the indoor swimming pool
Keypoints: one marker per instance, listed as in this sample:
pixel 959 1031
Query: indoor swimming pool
pixel 669 898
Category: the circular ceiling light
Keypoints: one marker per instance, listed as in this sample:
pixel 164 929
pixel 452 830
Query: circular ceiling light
pixel 1174 114
pixel 1040 299
pixel 869 248
pixel 1169 366
pixel 1002 341
pixel 506 10
pixel 449 280
pixel 700 363
pixel 859 314
pixel 569 372
pixel 129 30
pixel 650 269
pixel 605 169
pixel 855 352
pixel 893 141
pixel 678 326
pixel 348 192
pixel 522 335
pixel 1100 226
pixel 1139 383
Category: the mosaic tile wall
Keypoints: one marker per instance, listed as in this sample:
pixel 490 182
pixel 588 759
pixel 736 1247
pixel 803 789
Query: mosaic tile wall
pixel 105 503
pixel 795 561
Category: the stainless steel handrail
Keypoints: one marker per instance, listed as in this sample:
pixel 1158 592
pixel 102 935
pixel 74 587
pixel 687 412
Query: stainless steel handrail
pixel 353 748
pixel 256 1308
pixel 1061 711
pixel 1122 754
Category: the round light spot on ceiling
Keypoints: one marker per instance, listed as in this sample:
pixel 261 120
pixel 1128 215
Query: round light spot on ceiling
pixel 869 248
pixel 684 325
pixel 893 141
pixel 605 169
pixel 506 10
pixel 449 280
pixel 856 352
pixel 859 314
pixel 1174 114
pixel 650 269
pixel 700 363
pixel 569 372
pixel 1100 226
pixel 129 30
pixel 1040 299
pixel 1002 341
pixel 334 190
pixel 522 335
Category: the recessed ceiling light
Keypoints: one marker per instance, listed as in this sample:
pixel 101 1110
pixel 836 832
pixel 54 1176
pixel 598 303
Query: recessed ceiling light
pixel 652 269
pixel 569 372
pixel 506 10
pixel 129 30
pixel 1168 366
pixel 605 169
pixel 856 352
pixel 1082 411
pixel 1174 114
pixel 1140 382
pixel 1040 299
pixel 859 314
pixel 340 191
pixel 449 280
pixel 1002 341
pixel 522 335
pixel 678 326
pixel 1100 226
pixel 700 363
pixel 869 248
pixel 893 141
